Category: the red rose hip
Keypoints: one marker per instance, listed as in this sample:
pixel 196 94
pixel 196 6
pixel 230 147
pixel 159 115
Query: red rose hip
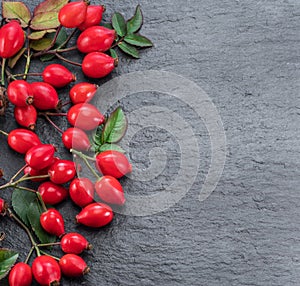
pixel 82 92
pixel 53 222
pixel 57 75
pixel 75 138
pixel 75 243
pixel 82 191
pixel 93 16
pixel 19 93
pixel 41 156
pixel 51 193
pixel 95 215
pixel 26 116
pixel 62 171
pixel 95 39
pixel 98 64
pixel 20 275
pixel 46 270
pixel 73 14
pixel 72 265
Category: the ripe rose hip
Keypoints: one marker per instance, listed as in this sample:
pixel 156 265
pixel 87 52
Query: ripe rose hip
pixel 73 14
pixel 82 92
pixel 19 93
pixel 72 265
pixel 57 75
pixel 21 140
pixel 45 96
pixel 46 271
pixel 26 116
pixel 95 39
pixel 75 243
pixel 51 193
pixel 62 171
pixel 82 191
pixel 85 116
pixel 98 64
pixel 12 39
pixel 95 215
pixel 20 275
pixel 2 206
pixel 110 190
pixel 75 138
pixel 113 163
pixel 41 156
pixel 53 222
pixel 93 16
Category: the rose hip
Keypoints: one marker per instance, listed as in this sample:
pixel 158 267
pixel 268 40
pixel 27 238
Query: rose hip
pixel 53 222
pixel 98 64
pixel 41 156
pixel 95 39
pixel 57 75
pixel 75 243
pixel 75 138
pixel 19 93
pixel 46 270
pixel 93 16
pixel 62 171
pixel 26 116
pixel 45 96
pixel 21 140
pixel 72 265
pixel 82 92
pixel 82 191
pixel 85 116
pixel 73 14
pixel 20 275
pixel 95 215
pixel 51 193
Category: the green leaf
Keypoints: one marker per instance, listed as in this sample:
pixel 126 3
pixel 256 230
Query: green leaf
pixel 40 45
pixel 43 21
pixel 136 22
pixel 12 61
pixel 113 53
pixel 21 201
pixel 108 146
pixel 46 58
pixel 37 35
pixel 119 24
pixel 34 212
pixel 138 40
pixel 115 127
pixel 128 49
pixel 16 10
pixel 107 25
pixel 7 260
pixel 49 6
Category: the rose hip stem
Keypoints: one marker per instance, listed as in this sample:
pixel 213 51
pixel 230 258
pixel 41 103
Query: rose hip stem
pixel 51 122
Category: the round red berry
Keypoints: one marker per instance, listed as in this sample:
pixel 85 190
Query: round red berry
pixel 72 265
pixel 41 156
pixel 20 275
pixel 82 92
pixel 51 193
pixel 19 93
pixel 73 14
pixel 75 243
pixel 82 191
pixel 93 16
pixel 53 222
pixel 62 171
pixel 75 138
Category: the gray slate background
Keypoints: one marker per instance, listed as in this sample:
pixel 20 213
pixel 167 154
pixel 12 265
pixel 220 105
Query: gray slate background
pixel 245 55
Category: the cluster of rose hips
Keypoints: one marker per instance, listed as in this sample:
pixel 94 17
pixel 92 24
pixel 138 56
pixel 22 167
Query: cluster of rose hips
pixel 59 178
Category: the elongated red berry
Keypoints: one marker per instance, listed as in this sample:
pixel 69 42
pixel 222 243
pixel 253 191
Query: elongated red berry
pixel 85 116
pixel 20 275
pixel 53 222
pixel 82 92
pixel 72 265
pixel 93 16
pixel 3 206
pixel 41 156
pixel 26 116
pixel 82 191
pixel 95 39
pixel 98 64
pixel 73 14
pixel 75 243
pixel 45 96
pixel 62 171
pixel 12 39
pixel 110 190
pixel 57 75
pixel 19 93
pixel 21 140
pixel 46 271
pixel 95 215
pixel 75 138
pixel 113 163
pixel 51 193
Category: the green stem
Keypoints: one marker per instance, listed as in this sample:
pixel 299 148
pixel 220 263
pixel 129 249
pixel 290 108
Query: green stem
pixel 18 173
pixel 25 189
pixel 3 132
pixel 27 66
pixel 45 253
pixel 83 157
pixel 48 244
pixel 3 71
pixel 29 255
pixel 39 196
